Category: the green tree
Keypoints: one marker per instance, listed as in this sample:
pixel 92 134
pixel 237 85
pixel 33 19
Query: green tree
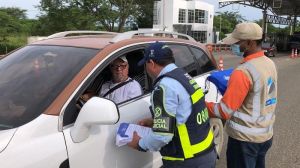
pixel 58 15
pixel 9 25
pixel 11 29
pixel 270 27
pixel 15 13
pixel 144 15
pixel 29 27
pixel 224 22
pixel 111 15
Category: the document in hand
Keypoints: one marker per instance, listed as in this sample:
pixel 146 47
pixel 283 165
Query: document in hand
pixel 125 133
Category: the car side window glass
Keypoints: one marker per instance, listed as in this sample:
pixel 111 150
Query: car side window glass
pixel 184 58
pixel 103 77
pixel 203 60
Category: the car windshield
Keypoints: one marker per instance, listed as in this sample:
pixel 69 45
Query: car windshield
pixel 32 77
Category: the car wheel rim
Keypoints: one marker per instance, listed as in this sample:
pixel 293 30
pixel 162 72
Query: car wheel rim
pixel 217 128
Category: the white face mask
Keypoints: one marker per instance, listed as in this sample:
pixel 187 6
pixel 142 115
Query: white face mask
pixel 235 48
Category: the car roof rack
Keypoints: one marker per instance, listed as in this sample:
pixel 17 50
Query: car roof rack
pixel 79 32
pixel 130 34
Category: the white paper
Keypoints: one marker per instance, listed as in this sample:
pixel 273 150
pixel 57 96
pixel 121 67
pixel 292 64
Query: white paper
pixel 125 133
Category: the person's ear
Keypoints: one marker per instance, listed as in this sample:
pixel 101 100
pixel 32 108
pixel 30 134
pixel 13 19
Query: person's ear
pixel 152 63
pixel 253 44
pixel 250 44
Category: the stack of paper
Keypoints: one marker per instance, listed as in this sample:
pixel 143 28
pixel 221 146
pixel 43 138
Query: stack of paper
pixel 125 133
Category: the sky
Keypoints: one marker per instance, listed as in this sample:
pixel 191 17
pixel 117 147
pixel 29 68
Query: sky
pixel 29 5
pixel 249 13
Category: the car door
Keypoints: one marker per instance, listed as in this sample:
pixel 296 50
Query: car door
pixel 196 62
pixel 99 149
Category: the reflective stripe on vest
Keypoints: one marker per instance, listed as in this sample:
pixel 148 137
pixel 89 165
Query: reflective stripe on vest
pixel 188 149
pixel 247 130
pixel 190 138
pixel 256 116
pixel 197 96
pixel 253 119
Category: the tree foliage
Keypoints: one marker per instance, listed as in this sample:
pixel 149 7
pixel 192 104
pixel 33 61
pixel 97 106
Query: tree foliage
pixel 12 28
pixel 62 15
pixel 58 16
pixel 110 15
pixel 224 22
pixel 10 19
pixel 144 15
pixel 271 29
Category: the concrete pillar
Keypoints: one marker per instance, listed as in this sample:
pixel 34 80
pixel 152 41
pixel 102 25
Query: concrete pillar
pixel 294 24
pixel 264 23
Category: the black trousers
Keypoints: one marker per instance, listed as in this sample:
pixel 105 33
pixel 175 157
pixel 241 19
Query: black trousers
pixel 204 161
pixel 242 154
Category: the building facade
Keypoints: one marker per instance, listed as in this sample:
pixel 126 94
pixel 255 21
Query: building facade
pixel 192 17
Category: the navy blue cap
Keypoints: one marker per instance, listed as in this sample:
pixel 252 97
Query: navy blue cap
pixel 156 51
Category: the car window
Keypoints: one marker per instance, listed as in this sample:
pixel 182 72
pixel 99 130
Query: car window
pixel 203 60
pixel 102 79
pixel 32 77
pixel 184 58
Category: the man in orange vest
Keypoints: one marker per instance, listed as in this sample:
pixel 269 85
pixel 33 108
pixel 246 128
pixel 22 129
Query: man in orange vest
pixel 250 100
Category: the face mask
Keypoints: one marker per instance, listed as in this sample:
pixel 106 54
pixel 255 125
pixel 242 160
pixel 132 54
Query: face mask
pixel 235 48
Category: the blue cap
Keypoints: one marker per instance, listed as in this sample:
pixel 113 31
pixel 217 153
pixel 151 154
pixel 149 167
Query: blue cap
pixel 156 51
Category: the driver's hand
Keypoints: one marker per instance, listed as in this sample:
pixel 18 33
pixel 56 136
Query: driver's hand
pixel 85 97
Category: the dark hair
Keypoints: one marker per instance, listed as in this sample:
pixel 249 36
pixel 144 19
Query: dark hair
pixel 165 61
pixel 258 42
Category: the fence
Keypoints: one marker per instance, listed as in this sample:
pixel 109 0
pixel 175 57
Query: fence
pixel 218 47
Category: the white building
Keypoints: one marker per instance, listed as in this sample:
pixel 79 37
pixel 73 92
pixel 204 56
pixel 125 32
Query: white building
pixel 192 17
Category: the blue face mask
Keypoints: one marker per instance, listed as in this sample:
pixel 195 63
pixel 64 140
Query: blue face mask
pixel 235 48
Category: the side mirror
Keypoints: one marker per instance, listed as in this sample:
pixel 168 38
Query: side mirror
pixel 96 111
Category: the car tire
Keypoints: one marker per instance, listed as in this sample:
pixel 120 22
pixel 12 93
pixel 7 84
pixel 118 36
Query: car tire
pixel 217 127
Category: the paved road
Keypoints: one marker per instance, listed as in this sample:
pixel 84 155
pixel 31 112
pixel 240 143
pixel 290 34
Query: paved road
pixel 285 152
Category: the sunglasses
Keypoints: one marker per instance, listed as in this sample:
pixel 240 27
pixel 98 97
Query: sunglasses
pixel 121 66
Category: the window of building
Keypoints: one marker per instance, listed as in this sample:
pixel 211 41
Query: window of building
pixel 191 16
pixel 181 16
pixel 156 13
pixel 200 36
pixel 201 16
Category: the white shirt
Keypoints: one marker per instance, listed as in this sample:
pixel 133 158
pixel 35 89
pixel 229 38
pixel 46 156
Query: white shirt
pixel 128 91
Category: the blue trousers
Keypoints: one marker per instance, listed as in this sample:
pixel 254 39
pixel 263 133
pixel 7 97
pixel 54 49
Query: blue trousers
pixel 205 161
pixel 242 154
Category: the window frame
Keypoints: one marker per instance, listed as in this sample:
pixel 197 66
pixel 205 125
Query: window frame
pixel 104 63
pixel 198 61
pixel 95 73
pixel 181 15
pixel 200 16
pixel 198 69
pixel 200 36
pixel 191 16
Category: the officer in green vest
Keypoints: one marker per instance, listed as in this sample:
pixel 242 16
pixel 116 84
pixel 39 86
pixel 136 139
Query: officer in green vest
pixel 180 122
